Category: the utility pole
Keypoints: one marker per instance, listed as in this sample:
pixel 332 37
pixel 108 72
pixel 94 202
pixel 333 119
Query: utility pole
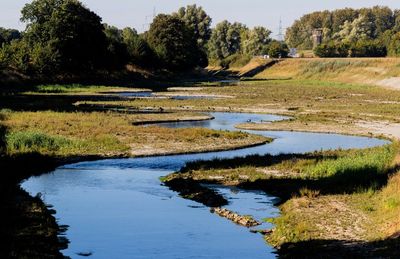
pixel 280 30
pixel 147 23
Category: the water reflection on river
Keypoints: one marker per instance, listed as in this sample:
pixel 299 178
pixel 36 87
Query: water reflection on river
pixel 118 208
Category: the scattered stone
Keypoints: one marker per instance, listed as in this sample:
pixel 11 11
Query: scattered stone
pixel 246 221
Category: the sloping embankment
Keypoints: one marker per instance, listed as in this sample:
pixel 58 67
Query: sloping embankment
pixel 373 71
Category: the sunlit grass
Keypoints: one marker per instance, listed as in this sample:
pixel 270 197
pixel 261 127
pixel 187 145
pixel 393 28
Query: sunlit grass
pixel 111 134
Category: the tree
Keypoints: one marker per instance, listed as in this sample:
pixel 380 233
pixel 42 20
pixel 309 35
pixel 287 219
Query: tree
pixel 138 49
pixel 278 49
pixel 256 42
pixel 117 49
pixel 394 45
pixel 226 39
pixel 8 35
pixel 66 31
pixel 198 21
pixel 343 25
pixel 173 43
pixel 359 29
pixel 383 18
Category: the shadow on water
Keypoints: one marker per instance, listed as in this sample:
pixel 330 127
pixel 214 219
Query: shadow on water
pixel 28 228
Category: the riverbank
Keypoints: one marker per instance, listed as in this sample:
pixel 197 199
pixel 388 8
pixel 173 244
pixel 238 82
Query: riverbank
pixel 316 105
pixel 333 203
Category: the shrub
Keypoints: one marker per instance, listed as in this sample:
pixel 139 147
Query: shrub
pixel 235 60
pixel 31 141
pixel 355 49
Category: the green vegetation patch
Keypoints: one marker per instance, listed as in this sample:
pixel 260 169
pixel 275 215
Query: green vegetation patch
pixel 74 88
pixel 374 160
pixel 34 141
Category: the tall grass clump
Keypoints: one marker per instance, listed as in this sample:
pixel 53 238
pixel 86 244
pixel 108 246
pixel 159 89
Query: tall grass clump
pixel 332 66
pixel 358 163
pixel 66 88
pixel 33 141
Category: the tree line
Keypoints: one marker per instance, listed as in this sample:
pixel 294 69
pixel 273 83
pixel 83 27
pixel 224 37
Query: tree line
pixel 65 37
pixel 373 32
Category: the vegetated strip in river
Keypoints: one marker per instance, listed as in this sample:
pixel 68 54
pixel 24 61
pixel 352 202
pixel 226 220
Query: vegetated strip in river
pixel 118 208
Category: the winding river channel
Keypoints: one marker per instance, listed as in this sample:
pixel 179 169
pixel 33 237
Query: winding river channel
pixel 118 208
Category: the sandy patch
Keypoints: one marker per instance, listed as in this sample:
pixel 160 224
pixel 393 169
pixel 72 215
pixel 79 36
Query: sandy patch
pixel 178 89
pixel 385 128
pixel 392 82
pixel 185 94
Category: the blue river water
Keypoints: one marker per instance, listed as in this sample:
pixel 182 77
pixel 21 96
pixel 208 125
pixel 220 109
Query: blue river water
pixel 118 208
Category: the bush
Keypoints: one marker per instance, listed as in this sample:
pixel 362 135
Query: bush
pixel 326 50
pixel 235 60
pixel 31 141
pixel 278 49
pixel 356 49
pixel 394 45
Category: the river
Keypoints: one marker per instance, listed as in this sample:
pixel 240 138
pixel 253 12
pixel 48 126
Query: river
pixel 118 208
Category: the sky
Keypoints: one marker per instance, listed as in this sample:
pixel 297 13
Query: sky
pixel 138 13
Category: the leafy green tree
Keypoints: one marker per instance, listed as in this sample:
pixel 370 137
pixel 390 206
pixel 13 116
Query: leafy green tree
pixel 359 29
pixel 117 54
pixel 139 51
pixel 383 19
pixel 343 25
pixel 70 36
pixel 173 43
pixel 256 42
pixel 198 21
pixel 8 35
pixel 340 16
pixel 226 40
pixel 394 45
pixel 278 49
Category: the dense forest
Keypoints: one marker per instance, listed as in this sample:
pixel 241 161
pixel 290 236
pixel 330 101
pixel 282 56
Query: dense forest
pixel 349 32
pixel 64 37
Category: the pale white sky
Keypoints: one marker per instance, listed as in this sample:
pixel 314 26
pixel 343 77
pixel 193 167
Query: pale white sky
pixel 136 13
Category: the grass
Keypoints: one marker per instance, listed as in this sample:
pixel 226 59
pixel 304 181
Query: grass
pixel 330 195
pixel 311 99
pixel 107 133
pixel 72 89
pixel 327 196
pixel 347 70
pixel 33 141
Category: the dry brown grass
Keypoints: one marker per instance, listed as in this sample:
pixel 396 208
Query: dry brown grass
pixel 347 70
